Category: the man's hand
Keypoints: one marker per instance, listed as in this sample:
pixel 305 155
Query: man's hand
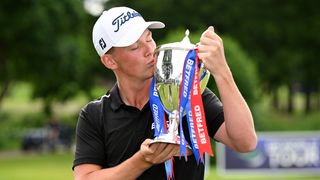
pixel 157 153
pixel 211 52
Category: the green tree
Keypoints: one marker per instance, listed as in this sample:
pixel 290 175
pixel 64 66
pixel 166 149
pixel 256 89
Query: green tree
pixel 47 43
pixel 282 36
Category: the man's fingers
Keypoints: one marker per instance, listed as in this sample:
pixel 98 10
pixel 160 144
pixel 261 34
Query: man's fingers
pixel 159 147
pixel 167 152
pixel 160 152
pixel 211 28
pixel 210 33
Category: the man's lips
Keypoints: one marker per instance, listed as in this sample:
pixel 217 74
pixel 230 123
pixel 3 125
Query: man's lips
pixel 151 62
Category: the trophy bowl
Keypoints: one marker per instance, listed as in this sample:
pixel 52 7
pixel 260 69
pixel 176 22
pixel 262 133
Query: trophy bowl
pixel 170 60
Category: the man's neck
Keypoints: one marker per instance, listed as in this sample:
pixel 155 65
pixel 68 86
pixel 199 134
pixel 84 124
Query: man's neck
pixel 134 93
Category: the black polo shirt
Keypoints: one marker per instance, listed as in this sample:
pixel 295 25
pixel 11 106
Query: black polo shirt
pixel 109 132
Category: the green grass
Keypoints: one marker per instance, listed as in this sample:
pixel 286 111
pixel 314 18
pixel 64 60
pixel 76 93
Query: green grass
pixel 214 175
pixel 32 167
pixel 17 166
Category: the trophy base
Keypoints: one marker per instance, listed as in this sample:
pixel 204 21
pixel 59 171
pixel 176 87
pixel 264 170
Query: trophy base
pixel 166 138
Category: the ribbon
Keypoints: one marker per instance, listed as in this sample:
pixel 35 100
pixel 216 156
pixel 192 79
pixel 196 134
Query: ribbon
pixel 160 123
pixel 169 168
pixel 192 133
pixel 198 116
pixel 157 111
pixel 185 88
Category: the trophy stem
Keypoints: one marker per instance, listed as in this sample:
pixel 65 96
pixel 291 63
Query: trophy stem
pixel 172 135
pixel 173 123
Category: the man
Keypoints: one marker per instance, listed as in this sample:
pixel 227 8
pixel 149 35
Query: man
pixel 114 133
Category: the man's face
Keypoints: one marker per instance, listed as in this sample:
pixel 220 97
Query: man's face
pixel 136 60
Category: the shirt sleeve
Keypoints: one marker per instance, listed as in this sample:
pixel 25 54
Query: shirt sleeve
pixel 89 138
pixel 213 110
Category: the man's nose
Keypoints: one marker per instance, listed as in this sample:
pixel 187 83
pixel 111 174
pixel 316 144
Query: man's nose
pixel 149 48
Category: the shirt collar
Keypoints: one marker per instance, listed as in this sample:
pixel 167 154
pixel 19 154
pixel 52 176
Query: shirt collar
pixel 116 101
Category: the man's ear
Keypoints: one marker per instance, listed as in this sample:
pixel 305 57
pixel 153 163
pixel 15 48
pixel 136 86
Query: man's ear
pixel 108 61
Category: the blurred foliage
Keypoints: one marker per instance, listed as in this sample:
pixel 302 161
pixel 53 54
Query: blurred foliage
pixel 48 44
pixel 13 126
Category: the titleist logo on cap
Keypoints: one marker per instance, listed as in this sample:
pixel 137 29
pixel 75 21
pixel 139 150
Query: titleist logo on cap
pixel 123 18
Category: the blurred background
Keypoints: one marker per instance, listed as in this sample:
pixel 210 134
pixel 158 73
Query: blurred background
pixel 49 70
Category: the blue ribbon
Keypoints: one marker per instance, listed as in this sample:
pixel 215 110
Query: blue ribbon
pixel 157 111
pixel 193 139
pixel 204 72
pixel 187 81
pixel 158 116
pixel 169 168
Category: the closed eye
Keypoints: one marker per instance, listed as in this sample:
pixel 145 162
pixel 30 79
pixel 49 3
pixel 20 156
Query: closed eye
pixel 149 37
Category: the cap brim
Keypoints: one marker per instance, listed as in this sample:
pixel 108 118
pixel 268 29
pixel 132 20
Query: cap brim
pixel 155 25
pixel 135 34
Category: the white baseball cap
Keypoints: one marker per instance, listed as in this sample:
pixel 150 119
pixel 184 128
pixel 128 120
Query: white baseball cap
pixel 119 27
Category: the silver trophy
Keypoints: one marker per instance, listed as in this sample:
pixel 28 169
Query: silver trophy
pixel 170 60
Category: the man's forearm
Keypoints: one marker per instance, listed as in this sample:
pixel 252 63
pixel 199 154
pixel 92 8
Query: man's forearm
pixel 129 169
pixel 238 118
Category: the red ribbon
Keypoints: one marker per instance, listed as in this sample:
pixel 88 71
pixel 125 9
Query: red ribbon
pixel 199 119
